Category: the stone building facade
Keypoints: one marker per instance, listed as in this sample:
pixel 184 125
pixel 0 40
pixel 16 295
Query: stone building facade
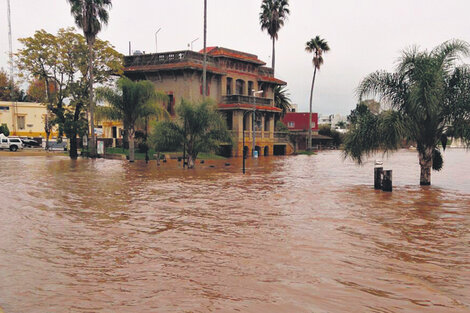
pixel 239 82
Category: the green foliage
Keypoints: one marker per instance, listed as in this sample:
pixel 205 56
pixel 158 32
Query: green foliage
pixel 281 99
pixel 6 86
pixel 131 101
pixel 4 130
pixel 60 63
pixel 317 46
pixel 437 161
pixel 90 15
pixel 199 127
pixel 272 16
pixel 326 130
pixel 281 127
pixel 166 136
pixel 430 97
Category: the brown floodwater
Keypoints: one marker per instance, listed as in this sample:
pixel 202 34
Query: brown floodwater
pixel 295 234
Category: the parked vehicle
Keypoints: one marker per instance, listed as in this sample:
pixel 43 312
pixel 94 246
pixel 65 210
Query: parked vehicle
pixel 11 143
pixel 28 142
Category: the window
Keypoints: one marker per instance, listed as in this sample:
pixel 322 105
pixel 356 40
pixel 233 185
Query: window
pixel 4 108
pixel 240 86
pixel 229 85
pixel 14 140
pixel 5 140
pixel 170 106
pixel 229 119
pixel 21 122
pixel 291 124
pixel 250 88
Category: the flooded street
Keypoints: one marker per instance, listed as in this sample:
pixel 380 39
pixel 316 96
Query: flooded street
pixel 295 234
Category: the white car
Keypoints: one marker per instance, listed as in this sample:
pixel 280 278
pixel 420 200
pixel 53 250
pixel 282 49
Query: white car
pixel 13 143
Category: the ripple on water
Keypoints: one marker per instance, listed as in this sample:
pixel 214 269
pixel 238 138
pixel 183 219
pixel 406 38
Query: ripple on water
pixel 295 234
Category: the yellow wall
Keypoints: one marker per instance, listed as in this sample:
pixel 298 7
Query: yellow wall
pixel 33 114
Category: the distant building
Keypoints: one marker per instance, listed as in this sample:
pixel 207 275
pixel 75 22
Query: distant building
pixel 332 120
pixel 232 76
pixel 299 121
pixel 294 107
pixel 24 119
pixel 298 125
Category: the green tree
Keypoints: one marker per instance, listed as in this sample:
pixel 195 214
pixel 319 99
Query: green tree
pixel 326 130
pixel 341 125
pixel 272 16
pixel 317 46
pixel 89 16
pixel 59 62
pixel 128 103
pixel 4 130
pixel 282 99
pixel 6 86
pixel 199 127
pixel 430 99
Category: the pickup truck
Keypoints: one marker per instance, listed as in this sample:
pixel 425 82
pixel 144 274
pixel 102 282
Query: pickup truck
pixel 13 143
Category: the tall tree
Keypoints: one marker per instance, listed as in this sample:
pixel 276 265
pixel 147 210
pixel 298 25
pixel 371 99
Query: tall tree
pixel 430 99
pixel 200 127
pixel 9 90
pixel 60 63
pixel 272 16
pixel 282 99
pixel 316 46
pixel 128 103
pixel 90 15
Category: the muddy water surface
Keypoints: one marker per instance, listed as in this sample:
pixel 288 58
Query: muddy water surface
pixel 295 234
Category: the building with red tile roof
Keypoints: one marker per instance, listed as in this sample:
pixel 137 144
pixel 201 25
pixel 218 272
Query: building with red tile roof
pixel 232 77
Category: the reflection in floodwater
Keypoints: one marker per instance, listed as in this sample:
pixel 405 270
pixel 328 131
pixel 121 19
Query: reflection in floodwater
pixel 295 234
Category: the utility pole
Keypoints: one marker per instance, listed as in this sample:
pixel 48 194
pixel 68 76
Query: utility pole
pixel 204 63
pixel 13 106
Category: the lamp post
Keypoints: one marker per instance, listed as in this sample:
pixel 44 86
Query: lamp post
pixel 243 136
pixel 254 114
pixel 156 41
pixel 193 42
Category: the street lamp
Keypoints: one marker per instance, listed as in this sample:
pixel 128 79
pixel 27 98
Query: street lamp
pixel 254 114
pixel 193 42
pixel 253 128
pixel 156 42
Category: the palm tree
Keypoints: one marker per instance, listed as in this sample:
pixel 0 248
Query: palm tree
pixel 281 99
pixel 89 15
pixel 430 99
pixel 129 103
pixel 316 46
pixel 199 127
pixel 272 17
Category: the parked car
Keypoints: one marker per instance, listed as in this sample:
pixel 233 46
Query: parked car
pixel 13 143
pixel 28 142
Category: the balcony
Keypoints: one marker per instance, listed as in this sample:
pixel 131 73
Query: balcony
pixel 246 99
pixel 166 58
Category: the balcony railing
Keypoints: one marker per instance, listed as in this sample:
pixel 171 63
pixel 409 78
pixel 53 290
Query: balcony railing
pixel 246 99
pixel 279 137
pixel 165 58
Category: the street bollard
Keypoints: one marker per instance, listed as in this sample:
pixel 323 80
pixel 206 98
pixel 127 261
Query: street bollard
pixel 387 180
pixel 378 172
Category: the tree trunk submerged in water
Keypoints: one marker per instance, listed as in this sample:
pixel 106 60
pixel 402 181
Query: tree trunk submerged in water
pixel 425 162
pixel 131 146
pixel 73 147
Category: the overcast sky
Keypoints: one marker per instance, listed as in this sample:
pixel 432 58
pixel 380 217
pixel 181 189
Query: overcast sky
pixel 364 35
